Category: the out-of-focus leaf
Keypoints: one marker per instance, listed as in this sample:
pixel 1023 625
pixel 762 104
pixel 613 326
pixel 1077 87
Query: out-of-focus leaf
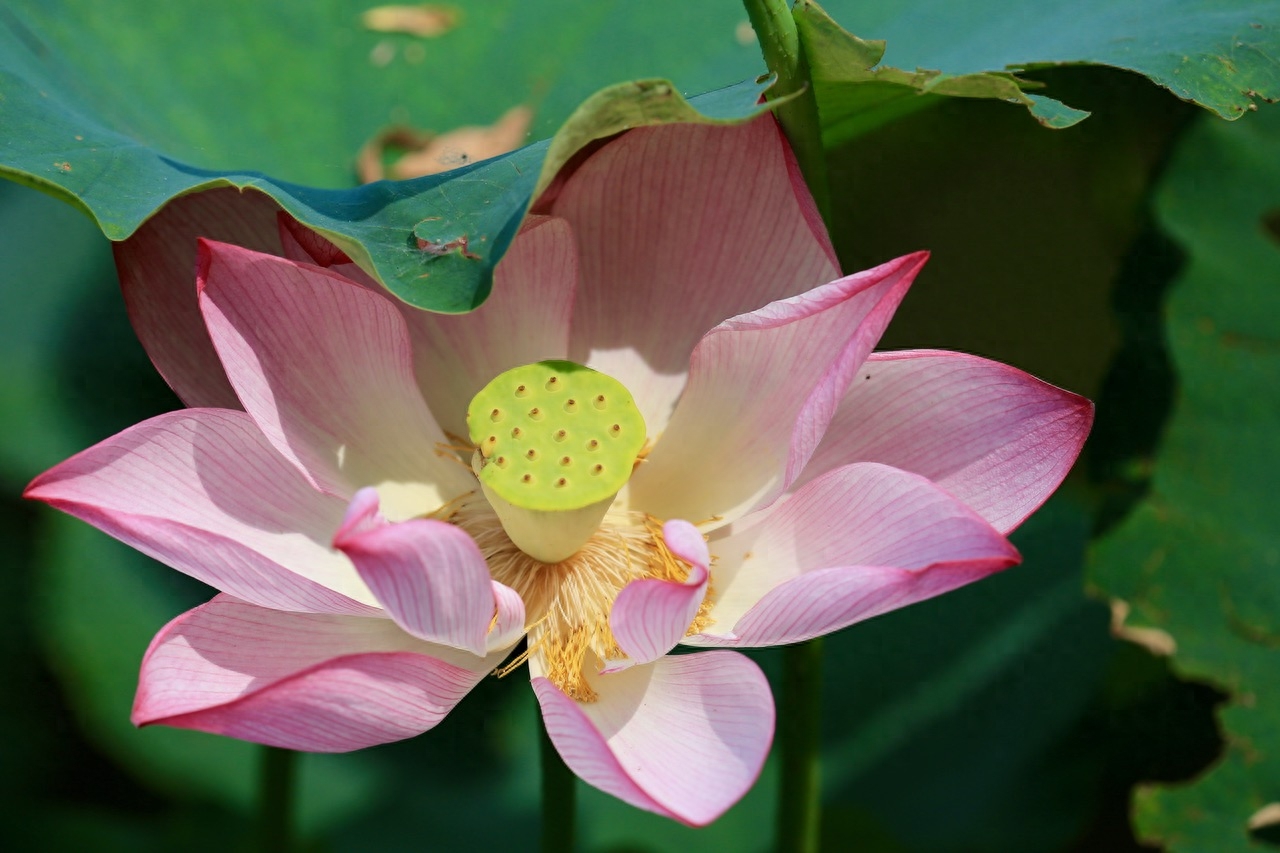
pixel 1199 558
pixel 1223 56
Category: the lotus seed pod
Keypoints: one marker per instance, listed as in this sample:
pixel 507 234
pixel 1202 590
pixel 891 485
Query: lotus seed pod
pixel 555 442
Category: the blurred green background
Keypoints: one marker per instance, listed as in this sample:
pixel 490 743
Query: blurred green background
pixel 1134 257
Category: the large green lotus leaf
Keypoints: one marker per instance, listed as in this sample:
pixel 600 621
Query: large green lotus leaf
pixel 1221 55
pixel 1199 557
pixel 118 108
pixel 434 241
pixel 857 94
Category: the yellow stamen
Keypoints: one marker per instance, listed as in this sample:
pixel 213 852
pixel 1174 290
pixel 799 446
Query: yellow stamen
pixel 568 603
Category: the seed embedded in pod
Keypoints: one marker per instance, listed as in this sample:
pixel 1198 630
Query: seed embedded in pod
pixel 529 492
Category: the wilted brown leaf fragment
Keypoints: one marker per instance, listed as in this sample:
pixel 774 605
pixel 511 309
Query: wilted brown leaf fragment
pixel 426 21
pixel 1159 643
pixel 427 153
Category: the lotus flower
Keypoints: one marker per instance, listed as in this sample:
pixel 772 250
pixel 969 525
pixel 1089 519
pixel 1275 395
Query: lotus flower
pixel 347 481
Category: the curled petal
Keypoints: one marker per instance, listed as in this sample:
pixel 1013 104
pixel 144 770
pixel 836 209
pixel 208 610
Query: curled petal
pixel 508 621
pixel 856 542
pixel 651 616
pixel 997 438
pixel 155 265
pixel 324 367
pixel 428 575
pixel 762 388
pixel 318 683
pixel 684 737
pixel 681 226
pixel 203 491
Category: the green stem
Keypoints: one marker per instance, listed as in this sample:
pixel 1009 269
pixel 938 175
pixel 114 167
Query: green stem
pixel 277 771
pixel 784 55
pixel 558 792
pixel 799 736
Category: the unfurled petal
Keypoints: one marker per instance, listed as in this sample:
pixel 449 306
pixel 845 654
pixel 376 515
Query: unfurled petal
pixel 318 683
pixel 651 616
pixel 203 491
pixel 997 438
pixel 681 226
pixel 428 575
pixel 324 368
pixel 854 543
pixel 762 388
pixel 684 737
pixel 156 265
pixel 524 320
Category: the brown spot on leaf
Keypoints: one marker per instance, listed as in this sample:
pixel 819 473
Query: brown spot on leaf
pixel 1268 815
pixel 1159 643
pixel 427 153
pixel 744 34
pixel 427 20
pixel 62 166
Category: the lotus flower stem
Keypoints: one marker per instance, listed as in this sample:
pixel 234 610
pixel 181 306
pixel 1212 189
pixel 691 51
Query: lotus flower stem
pixel 799 737
pixel 277 774
pixel 559 789
pixel 784 55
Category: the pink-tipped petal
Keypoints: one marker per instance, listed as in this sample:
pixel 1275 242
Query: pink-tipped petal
pixel 997 438
pixel 157 275
pixel 684 737
pixel 524 320
pixel 679 227
pixel 204 492
pixel 428 575
pixel 851 544
pixel 318 683
pixel 324 367
pixel 762 388
pixel 649 617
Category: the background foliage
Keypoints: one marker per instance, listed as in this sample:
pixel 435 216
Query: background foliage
pixel 1133 256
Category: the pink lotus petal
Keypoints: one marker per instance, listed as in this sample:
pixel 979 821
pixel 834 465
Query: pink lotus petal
pixel 524 320
pixel 428 575
pixel 684 737
pixel 203 491
pixel 318 683
pixel 762 388
pixel 856 542
pixel 300 243
pixel 680 226
pixel 508 621
pixel 651 616
pixel 156 266
pixel 324 367
pixel 993 436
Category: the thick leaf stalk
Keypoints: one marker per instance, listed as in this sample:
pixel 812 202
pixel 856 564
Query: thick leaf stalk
pixel 784 55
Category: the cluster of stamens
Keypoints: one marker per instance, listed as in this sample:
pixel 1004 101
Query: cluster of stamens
pixel 567 604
